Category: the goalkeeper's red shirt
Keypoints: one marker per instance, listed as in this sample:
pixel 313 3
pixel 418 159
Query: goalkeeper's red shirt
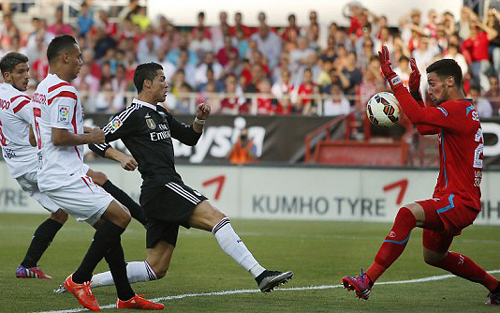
pixel 456 122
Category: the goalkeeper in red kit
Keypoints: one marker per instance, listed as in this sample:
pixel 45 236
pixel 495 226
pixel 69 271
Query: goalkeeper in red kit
pixel 456 199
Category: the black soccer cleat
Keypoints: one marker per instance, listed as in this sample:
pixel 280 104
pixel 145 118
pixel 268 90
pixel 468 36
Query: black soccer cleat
pixel 270 279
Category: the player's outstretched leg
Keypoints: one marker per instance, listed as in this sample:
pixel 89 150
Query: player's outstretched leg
pixel 206 217
pixel 139 271
pixel 436 253
pixel 42 239
pixel 393 246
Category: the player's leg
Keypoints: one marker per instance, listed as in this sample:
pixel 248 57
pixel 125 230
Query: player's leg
pixel 135 209
pixel 436 253
pixel 42 238
pixel 45 232
pixel 161 239
pixel 116 219
pixel 408 217
pixel 206 217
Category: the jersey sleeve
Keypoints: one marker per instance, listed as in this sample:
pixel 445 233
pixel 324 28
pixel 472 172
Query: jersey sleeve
pixel 443 116
pixel 21 106
pixel 62 108
pixel 99 149
pixel 121 125
pixel 182 132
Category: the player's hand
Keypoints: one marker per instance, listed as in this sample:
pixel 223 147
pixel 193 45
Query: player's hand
pixel 97 135
pixel 203 111
pixel 414 81
pixel 385 63
pixel 128 163
pixel 385 66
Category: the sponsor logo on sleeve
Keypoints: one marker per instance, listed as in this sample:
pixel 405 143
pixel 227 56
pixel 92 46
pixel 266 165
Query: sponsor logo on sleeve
pixel 63 114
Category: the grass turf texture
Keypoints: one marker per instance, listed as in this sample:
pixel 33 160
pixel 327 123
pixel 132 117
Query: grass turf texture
pixel 319 253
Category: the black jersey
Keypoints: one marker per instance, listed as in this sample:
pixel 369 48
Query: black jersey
pixel 147 131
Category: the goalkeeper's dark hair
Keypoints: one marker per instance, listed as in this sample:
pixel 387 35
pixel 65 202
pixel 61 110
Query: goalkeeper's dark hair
pixel 146 71
pixel 445 68
pixel 11 60
pixel 59 45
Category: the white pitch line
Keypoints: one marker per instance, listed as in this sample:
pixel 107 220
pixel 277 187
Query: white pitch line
pixel 232 292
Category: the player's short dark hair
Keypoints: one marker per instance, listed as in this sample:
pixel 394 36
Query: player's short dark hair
pixel 145 71
pixel 11 60
pixel 445 68
pixel 58 45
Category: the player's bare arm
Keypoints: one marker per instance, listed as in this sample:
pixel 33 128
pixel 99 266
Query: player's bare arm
pixel 62 137
pixel 32 138
pixel 127 162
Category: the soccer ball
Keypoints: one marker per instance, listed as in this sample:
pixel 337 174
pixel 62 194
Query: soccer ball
pixel 383 109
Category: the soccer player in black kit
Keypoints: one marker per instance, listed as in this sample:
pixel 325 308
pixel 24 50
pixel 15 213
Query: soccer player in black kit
pixel 146 130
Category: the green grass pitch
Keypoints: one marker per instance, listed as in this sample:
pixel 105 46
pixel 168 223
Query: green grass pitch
pixel 319 253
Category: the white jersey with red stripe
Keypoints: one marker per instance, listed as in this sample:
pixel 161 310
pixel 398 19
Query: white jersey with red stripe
pixel 15 118
pixel 56 104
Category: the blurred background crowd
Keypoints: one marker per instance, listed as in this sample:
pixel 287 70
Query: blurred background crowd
pixel 291 68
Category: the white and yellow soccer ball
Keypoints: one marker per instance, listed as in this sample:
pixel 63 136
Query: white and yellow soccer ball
pixel 383 109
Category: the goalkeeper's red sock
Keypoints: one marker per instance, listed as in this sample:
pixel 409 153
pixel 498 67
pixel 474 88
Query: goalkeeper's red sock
pixel 394 244
pixel 462 266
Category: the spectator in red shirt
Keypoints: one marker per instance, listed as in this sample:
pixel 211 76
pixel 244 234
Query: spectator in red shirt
pixel 238 26
pixel 201 28
pixel 224 53
pixel 475 49
pixel 59 27
pixel 292 25
pixel 306 89
pixel 266 104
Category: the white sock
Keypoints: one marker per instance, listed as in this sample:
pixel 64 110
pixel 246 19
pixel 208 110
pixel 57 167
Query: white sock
pixel 231 243
pixel 136 272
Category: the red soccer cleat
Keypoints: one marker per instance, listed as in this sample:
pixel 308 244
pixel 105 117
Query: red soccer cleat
pixel 360 284
pixel 83 293
pixel 31 272
pixel 494 299
pixel 139 303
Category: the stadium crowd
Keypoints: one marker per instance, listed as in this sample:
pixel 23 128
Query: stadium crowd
pixel 301 68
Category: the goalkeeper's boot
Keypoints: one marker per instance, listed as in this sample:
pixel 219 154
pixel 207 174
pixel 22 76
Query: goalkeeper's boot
pixel 494 298
pixel 270 279
pixel 138 302
pixel 31 272
pixel 360 284
pixel 83 293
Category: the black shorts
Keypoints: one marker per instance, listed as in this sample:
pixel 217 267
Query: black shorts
pixel 167 207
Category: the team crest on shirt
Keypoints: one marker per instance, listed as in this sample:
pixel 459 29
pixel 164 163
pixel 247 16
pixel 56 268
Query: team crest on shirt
pixel 63 114
pixel 151 124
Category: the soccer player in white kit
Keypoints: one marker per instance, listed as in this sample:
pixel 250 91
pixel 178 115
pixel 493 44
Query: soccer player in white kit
pixel 62 175
pixel 20 154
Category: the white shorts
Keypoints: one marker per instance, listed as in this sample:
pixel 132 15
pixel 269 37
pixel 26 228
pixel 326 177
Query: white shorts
pixel 82 198
pixel 29 183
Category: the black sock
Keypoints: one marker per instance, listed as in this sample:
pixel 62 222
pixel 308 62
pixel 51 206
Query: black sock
pixel 135 209
pixel 107 236
pixel 116 260
pixel 41 241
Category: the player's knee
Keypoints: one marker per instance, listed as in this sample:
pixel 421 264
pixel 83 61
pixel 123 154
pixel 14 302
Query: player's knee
pixel 161 273
pixel 99 178
pixel 60 216
pixel 433 258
